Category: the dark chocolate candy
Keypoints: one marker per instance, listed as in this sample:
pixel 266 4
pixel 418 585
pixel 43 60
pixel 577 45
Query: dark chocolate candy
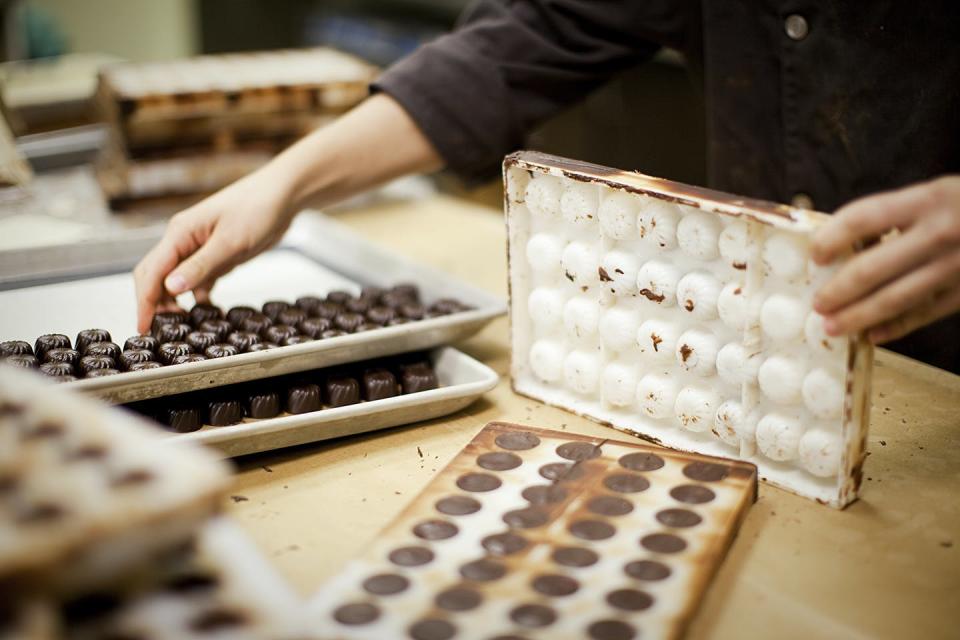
pixel 458 599
pixel 412 310
pixel 381 314
pixel 339 297
pixel 93 363
pixel 131 357
pixel 358 305
pixel 142 366
pixel 173 332
pixel 706 471
pixel 109 349
pixel 182 419
pixel 348 321
pixel 367 326
pixel 167 317
pixel 483 570
pixel 291 316
pixel 446 306
pixel 398 320
pixel 379 384
pixel 99 373
pixel 149 343
pixel 49 341
pixel 418 378
pixel 167 352
pixel 313 327
pixel 88 336
pixel 222 412
pixel 297 339
pixel 236 315
pixel 57 369
pixel 256 323
pixel 220 351
pixel 272 308
pixel 243 340
pixel 200 340
pixel 188 357
pixel 263 404
pixel 63 355
pixel 328 310
pixel 220 328
pixel 386 584
pixel 202 311
pixel 262 346
pixel 303 398
pixel 15 348
pixel 692 494
pixel 372 292
pixel 341 391
pixel 333 333
pixel 641 461
pixel 278 333
pixel 308 304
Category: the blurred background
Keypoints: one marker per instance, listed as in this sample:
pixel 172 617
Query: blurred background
pixel 61 118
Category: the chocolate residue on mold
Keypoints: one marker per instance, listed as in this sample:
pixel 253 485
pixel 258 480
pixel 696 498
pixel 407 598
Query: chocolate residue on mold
pixel 740 266
pixel 604 276
pixel 569 276
pixel 685 352
pixel 657 340
pixel 689 305
pixel 653 297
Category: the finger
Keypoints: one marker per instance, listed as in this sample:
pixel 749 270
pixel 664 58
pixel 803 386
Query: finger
pixel 868 218
pixel 945 305
pixel 202 265
pixel 869 269
pixel 201 293
pixel 897 298
pixel 148 280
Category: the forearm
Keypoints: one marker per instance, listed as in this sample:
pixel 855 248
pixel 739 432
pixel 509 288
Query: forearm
pixel 374 143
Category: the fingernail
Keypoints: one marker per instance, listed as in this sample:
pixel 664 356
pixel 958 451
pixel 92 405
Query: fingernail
pixel 175 283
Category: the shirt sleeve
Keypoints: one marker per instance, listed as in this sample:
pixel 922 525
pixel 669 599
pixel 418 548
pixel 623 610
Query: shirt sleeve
pixel 476 92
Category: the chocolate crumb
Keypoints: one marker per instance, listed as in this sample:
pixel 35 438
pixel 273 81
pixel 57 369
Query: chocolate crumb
pixel 653 297
pixel 685 352
pixel 688 305
pixel 883 443
pixel 656 341
pixel 604 276
pixel 239 498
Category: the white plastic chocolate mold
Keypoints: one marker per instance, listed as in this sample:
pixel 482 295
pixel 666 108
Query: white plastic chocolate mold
pixel 684 315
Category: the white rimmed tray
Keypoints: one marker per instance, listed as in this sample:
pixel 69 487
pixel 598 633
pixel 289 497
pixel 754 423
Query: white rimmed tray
pixel 66 289
pixel 462 381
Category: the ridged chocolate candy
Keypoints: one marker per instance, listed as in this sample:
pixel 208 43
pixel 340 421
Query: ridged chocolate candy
pixel 220 351
pixel 94 363
pixel 221 412
pixel 202 311
pixel 313 327
pixel 47 342
pixel 218 327
pixel 174 332
pixel 109 349
pixel 200 340
pixel 88 336
pixel 243 340
pixel 167 352
pixel 131 357
pixel 303 398
pixel 15 348
pixel 71 356
pixel 150 343
pixel 57 369
pixel 341 391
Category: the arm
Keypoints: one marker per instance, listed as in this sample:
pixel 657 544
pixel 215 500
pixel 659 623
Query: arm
pixel 908 280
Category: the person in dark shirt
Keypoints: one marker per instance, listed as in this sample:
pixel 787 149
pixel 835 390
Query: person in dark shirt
pixel 835 105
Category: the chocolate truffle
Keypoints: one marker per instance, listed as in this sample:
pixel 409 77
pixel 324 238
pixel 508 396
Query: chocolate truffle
pixel 149 343
pixel 167 352
pixel 182 419
pixel 243 340
pixel 262 346
pixel 93 363
pixel 131 357
pixel 141 366
pixel 381 314
pixel 341 391
pixel 173 332
pixel 100 373
pixel 291 316
pixel 71 356
pixel 339 297
pixel 88 336
pixel 379 384
pixel 333 333
pixel 358 305
pixel 203 311
pixel 278 333
pixel 49 341
pixel 313 327
pixel 200 340
pixel 297 339
pixel 188 357
pixel 220 351
pixel 23 360
pixel 272 308
pixel 263 404
pixel 237 315
pixel 15 348
pixel 412 310
pixel 219 327
pixel 308 304
pixel 348 321
pixel 109 349
pixel 303 398
pixel 222 412
pixel 166 317
pixel 256 323
pixel 419 377
pixel 57 369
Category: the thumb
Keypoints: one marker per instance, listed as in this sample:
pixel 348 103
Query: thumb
pixel 206 261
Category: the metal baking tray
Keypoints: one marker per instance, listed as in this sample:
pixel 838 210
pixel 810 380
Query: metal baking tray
pixel 54 289
pixel 462 380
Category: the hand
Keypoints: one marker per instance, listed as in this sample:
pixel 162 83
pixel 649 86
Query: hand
pixel 909 279
pixel 209 239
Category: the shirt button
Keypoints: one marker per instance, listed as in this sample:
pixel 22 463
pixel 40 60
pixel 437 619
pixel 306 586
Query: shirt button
pixel 796 27
pixel 801 201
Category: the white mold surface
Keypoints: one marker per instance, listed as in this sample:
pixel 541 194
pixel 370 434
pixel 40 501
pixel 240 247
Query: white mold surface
pixel 685 320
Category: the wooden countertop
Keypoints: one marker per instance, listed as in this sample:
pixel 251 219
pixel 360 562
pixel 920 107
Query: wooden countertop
pixel 888 566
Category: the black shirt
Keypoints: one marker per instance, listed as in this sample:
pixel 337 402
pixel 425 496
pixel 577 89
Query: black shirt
pixel 830 100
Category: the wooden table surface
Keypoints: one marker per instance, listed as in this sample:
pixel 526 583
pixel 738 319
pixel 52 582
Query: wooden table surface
pixel 888 566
